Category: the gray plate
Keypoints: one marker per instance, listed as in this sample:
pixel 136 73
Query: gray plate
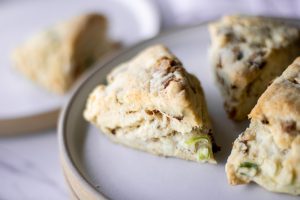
pixel 98 167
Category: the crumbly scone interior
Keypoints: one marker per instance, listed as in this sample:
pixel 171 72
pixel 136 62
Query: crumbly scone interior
pixel 268 151
pixel 256 157
pixel 151 103
pixel 247 53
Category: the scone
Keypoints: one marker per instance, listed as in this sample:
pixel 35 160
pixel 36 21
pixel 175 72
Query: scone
pixel 246 54
pixel 54 58
pixel 153 104
pixel 268 152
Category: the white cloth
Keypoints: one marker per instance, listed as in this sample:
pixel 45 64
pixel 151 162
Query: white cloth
pixel 180 12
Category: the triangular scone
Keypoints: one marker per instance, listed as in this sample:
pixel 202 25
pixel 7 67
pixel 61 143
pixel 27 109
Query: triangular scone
pixel 54 58
pixel 151 103
pixel 268 152
pixel 247 53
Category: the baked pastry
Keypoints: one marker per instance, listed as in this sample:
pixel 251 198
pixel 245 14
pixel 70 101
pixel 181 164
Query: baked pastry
pixel 268 152
pixel 247 53
pixel 54 58
pixel 152 104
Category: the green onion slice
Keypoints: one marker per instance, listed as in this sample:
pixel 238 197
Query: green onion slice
pixel 203 142
pixel 198 139
pixel 249 165
pixel 248 169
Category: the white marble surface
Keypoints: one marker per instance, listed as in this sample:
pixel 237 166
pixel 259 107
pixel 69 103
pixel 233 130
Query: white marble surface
pixel 29 165
pixel 30 168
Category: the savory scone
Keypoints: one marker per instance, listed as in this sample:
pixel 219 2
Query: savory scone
pixel 247 53
pixel 54 58
pixel 152 104
pixel 268 152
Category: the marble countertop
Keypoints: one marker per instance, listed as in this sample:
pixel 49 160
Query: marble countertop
pixel 29 164
pixel 30 168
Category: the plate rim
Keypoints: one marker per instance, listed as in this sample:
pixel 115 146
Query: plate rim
pixel 66 160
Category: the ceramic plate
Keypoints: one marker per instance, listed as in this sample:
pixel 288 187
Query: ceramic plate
pixel 97 168
pixel 22 100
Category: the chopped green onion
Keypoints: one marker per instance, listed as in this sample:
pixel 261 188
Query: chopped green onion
pixel 204 153
pixel 198 139
pixel 205 149
pixel 248 169
pixel 249 165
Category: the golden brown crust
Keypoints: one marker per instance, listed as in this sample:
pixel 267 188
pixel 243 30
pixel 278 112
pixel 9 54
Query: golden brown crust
pixel 153 104
pixel 247 53
pixel 279 106
pixel 268 151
